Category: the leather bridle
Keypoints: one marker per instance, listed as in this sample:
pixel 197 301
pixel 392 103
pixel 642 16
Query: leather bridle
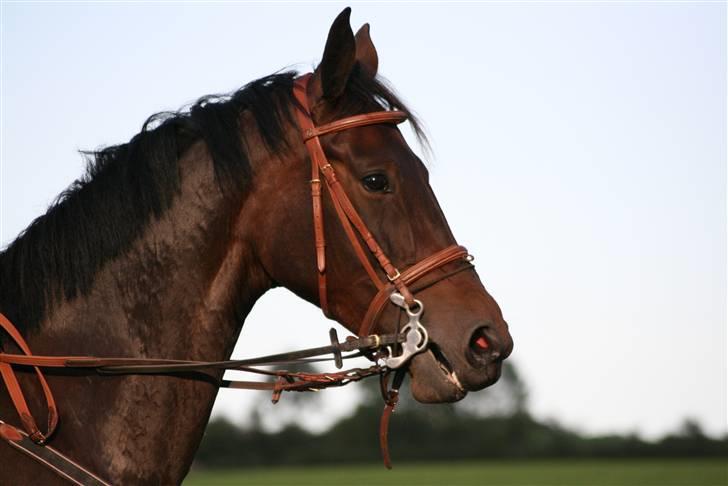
pixel 391 286
pixel 353 225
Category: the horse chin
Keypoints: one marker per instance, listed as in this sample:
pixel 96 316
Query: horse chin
pixel 433 381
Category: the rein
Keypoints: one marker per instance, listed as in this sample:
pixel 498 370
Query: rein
pixel 391 353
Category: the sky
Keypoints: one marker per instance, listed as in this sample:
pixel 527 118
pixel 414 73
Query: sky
pixel 579 153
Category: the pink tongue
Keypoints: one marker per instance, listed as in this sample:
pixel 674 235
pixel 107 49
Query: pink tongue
pixel 482 342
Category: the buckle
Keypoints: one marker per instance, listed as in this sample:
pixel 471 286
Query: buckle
pixel 395 276
pixel 377 340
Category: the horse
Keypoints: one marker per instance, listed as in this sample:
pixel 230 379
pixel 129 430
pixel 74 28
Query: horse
pixel 163 246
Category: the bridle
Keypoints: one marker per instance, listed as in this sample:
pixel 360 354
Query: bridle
pixel 396 287
pixel 389 351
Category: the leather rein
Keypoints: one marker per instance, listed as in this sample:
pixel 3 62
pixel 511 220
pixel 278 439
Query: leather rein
pixel 390 352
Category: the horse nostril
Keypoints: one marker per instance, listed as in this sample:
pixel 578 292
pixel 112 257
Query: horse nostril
pixel 479 342
pixel 484 345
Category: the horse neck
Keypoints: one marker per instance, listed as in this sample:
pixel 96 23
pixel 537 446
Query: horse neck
pixel 182 290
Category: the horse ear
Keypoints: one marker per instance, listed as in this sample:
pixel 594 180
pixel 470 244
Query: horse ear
pixel 366 54
pixel 332 74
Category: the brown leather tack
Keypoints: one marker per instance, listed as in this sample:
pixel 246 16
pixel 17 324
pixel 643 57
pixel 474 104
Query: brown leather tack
pixel 384 429
pixel 349 217
pixel 49 457
pixel 16 393
pixel 357 231
pixel 8 432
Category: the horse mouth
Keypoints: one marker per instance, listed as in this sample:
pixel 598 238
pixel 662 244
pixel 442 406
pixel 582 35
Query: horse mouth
pixel 434 379
pixel 446 367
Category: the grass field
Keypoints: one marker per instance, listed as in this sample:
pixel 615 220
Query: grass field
pixel 670 472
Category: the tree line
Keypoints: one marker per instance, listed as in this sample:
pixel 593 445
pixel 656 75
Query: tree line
pixel 495 426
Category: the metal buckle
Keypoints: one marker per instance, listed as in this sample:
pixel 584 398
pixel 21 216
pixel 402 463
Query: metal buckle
pixel 377 340
pixel 416 335
pixel 394 277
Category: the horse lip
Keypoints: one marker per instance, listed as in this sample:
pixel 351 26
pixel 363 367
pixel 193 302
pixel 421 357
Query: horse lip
pixel 431 383
pixel 445 366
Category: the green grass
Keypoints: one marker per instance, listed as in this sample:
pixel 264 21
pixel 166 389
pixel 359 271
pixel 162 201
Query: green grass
pixel 668 472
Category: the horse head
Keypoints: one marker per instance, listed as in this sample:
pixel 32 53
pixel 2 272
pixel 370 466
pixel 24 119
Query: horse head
pixel 388 186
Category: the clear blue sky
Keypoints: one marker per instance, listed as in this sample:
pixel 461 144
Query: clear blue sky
pixel 579 152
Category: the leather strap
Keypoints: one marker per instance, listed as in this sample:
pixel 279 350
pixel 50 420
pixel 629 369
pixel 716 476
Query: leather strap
pixel 347 214
pixel 354 227
pixel 49 457
pixel 289 381
pixel 411 275
pixel 152 366
pixel 345 211
pixel 318 217
pixel 374 118
pixel 391 398
pixel 355 243
pixel 16 392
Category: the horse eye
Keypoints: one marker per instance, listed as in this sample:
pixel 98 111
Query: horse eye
pixel 376 182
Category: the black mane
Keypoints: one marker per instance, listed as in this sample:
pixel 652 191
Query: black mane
pixel 99 216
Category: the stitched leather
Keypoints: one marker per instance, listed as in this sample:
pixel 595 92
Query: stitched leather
pixel 377 117
pixel 346 213
pixel 409 276
pixel 351 222
pixel 16 393
pixel 49 457
pixel 349 217
pixel 151 365
pixel 356 244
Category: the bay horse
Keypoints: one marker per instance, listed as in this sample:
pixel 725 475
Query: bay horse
pixel 161 249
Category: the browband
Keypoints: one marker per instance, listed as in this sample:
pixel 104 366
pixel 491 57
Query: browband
pixel 374 118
